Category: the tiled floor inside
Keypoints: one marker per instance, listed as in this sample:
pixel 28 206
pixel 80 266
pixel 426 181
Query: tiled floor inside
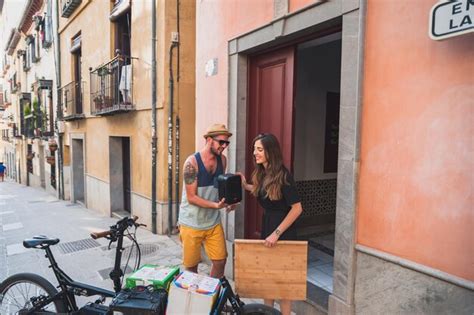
pixel 320 261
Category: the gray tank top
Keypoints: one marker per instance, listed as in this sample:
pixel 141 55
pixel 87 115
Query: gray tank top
pixel 196 217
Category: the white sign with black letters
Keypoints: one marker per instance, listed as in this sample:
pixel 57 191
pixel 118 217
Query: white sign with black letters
pixel 450 18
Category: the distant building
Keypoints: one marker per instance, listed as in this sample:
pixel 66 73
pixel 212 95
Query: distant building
pixel 106 99
pixel 30 96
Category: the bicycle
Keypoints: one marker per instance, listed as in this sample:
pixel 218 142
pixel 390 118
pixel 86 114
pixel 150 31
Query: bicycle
pixel 28 293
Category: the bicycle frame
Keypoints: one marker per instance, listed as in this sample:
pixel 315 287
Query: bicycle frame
pixel 69 288
pixel 227 294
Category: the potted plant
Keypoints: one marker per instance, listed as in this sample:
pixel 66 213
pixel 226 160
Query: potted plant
pixel 27 110
pixel 98 102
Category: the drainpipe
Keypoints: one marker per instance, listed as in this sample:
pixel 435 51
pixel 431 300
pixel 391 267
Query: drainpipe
pixel 153 117
pixel 176 176
pixel 170 141
pixel 57 60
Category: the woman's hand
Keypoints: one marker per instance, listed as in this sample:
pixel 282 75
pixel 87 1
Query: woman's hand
pixel 245 185
pixel 242 177
pixel 271 240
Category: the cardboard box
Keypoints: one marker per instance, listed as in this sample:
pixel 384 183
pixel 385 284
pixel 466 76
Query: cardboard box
pixel 158 276
pixel 191 293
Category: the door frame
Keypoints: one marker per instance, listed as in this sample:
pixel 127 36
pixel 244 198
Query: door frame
pixel 299 26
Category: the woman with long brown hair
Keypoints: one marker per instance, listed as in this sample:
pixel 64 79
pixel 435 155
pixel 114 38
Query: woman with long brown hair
pixel 275 189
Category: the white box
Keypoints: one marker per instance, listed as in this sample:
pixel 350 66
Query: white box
pixel 191 293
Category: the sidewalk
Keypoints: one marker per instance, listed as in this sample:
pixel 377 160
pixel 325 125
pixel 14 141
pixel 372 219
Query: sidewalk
pixel 26 211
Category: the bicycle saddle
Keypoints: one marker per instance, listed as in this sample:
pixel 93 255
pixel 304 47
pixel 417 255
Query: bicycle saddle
pixel 40 241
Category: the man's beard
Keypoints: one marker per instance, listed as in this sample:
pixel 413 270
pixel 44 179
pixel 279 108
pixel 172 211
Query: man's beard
pixel 216 152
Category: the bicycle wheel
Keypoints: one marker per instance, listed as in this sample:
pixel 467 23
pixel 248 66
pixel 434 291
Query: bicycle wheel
pixel 259 309
pixel 22 291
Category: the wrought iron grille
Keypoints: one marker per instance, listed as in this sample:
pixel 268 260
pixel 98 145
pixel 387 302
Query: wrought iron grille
pixel 112 86
pixel 70 101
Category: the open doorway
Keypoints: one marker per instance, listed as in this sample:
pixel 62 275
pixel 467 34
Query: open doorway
pixel 76 51
pixel 294 93
pixel 120 180
pixel 78 185
pixel 316 132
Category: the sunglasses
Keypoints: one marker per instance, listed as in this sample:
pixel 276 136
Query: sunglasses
pixel 222 143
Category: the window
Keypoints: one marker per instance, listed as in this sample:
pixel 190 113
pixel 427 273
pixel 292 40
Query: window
pixel 47 31
pixel 31 51
pixel 29 56
pixel 37 47
pixel 13 83
pixel 123 33
pixel 44 28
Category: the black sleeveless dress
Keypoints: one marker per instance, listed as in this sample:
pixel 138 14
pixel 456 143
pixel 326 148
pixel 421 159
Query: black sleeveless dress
pixel 276 210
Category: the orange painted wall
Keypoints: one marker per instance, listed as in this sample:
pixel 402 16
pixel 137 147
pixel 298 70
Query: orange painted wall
pixel 217 22
pixel 294 5
pixel 417 150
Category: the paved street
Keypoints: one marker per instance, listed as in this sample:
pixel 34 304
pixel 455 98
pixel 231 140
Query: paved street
pixel 26 211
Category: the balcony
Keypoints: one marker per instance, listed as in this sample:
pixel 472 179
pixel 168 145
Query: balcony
pixel 68 7
pixel 70 101
pixel 111 87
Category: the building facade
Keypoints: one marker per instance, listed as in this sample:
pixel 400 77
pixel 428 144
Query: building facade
pixel 29 80
pixel 354 90
pixel 106 73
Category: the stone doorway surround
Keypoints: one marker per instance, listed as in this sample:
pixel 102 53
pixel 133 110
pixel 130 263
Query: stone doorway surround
pixel 286 28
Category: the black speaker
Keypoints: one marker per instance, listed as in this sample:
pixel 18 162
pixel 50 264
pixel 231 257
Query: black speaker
pixel 230 188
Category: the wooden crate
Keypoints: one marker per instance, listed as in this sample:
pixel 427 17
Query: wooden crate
pixel 278 272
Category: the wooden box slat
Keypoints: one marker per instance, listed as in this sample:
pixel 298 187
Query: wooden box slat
pixel 271 273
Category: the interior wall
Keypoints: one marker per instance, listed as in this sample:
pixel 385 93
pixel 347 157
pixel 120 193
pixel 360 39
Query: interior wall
pixel 317 72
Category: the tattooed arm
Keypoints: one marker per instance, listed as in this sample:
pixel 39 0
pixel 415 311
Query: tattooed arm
pixel 190 183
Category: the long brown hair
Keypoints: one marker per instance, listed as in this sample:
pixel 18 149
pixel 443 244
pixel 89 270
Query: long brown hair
pixel 271 179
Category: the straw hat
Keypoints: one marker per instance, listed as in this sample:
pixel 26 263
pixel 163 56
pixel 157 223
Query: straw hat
pixel 217 129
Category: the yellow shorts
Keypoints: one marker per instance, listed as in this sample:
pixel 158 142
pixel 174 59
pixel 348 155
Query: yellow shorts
pixel 192 239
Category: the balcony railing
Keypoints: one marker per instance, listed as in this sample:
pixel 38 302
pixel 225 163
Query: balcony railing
pixel 112 86
pixel 70 101
pixel 68 7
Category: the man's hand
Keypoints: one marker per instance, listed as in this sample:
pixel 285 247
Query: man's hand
pixel 221 204
pixel 232 207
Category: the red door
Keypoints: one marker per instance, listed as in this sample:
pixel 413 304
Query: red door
pixel 270 109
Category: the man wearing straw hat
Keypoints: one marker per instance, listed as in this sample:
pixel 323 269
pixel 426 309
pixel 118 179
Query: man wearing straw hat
pixel 199 214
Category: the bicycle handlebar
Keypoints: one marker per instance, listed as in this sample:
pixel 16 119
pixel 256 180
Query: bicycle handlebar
pixel 114 228
pixel 96 235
